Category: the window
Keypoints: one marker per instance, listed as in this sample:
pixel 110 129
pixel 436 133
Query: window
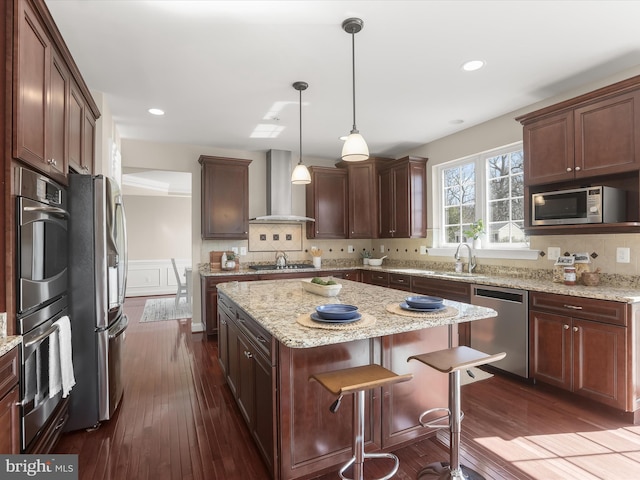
pixel 488 186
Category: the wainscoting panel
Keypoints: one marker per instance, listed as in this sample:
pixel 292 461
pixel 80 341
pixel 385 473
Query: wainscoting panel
pixel 153 277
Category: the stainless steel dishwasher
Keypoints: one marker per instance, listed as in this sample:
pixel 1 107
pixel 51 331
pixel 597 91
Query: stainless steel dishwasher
pixel 508 332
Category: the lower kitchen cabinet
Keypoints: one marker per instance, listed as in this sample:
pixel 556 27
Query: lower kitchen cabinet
pixel 451 290
pixel 9 409
pixel 209 298
pixel 245 354
pixel 373 277
pixel 587 356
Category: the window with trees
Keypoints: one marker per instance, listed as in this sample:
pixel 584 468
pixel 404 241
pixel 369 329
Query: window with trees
pixel 487 187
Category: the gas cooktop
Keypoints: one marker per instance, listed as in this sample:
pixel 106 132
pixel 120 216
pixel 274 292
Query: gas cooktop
pixel 289 266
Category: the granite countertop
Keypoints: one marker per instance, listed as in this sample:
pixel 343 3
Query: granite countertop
pixel 277 304
pixel 7 343
pixel 602 292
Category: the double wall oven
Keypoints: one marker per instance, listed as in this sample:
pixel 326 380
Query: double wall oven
pixel 42 294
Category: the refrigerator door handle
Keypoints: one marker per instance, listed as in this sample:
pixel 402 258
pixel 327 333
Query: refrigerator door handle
pixel 124 324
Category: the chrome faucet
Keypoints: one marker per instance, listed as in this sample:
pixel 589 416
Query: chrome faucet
pixel 281 259
pixel 472 257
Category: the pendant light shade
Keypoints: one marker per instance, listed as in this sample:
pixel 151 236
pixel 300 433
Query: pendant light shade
pixel 355 148
pixel 300 174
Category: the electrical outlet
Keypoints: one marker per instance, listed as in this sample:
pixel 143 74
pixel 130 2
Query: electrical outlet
pixel 350 249
pixel 381 248
pixel 553 253
pixel 423 249
pixel 623 255
pixel 243 250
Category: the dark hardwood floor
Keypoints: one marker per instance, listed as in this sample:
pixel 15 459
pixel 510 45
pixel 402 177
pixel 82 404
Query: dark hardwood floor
pixel 177 420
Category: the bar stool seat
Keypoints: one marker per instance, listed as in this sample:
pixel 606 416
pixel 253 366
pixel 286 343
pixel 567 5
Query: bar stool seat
pixel 452 361
pixel 357 380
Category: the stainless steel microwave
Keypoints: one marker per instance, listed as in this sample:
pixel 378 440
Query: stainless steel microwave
pixel 579 205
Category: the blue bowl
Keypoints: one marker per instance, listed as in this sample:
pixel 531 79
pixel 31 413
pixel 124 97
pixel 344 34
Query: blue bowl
pixel 423 301
pixel 337 311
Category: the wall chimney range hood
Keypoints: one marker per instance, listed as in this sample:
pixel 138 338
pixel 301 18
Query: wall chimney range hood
pixel 279 169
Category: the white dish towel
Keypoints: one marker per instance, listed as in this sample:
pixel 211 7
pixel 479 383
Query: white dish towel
pixel 61 375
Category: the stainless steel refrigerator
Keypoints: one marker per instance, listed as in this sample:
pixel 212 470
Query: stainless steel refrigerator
pixel 97 283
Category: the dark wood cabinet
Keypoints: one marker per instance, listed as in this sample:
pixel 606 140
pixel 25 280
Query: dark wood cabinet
pixel 250 372
pixel 225 198
pixel 353 275
pixel 209 298
pixel 400 281
pixel 374 277
pixel 45 112
pixel 402 192
pixel 363 197
pixel 326 202
pixel 449 289
pixel 9 396
pixel 569 350
pixel 82 128
pixel 594 139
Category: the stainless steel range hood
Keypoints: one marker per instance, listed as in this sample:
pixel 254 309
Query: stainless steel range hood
pixel 279 168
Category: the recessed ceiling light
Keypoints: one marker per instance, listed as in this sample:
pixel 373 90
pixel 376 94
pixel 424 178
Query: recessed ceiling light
pixel 472 65
pixel 156 111
pixel 457 121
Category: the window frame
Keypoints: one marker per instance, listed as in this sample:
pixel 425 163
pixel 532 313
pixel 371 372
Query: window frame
pixel 481 202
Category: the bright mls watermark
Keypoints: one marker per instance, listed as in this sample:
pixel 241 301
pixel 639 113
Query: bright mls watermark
pixel 50 467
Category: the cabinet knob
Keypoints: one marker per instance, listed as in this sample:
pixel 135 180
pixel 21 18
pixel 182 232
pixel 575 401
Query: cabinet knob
pixel 568 169
pixel 577 169
pixel 575 329
pixel 248 354
pixel 566 327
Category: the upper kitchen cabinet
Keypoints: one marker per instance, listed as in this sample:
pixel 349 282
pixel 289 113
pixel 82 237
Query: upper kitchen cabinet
pixel 363 197
pixel 82 127
pixel 44 108
pixel 402 198
pixel 327 202
pixel 596 134
pixel 225 198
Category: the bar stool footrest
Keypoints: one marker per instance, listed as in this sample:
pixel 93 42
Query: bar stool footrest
pixel 372 455
pixel 434 423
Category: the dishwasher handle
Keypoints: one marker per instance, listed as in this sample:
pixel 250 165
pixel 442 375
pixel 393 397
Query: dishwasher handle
pixel 499 295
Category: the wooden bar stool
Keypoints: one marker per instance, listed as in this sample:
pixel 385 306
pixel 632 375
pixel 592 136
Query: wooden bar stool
pixel 452 361
pixel 357 380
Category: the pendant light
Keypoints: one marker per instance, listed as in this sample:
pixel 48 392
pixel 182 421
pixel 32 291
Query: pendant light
pixel 355 148
pixel 300 175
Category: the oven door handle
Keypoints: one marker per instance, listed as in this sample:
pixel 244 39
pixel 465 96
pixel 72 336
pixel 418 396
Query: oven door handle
pixel 42 336
pixel 52 210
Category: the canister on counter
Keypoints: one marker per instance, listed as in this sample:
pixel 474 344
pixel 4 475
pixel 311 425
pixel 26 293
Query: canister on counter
pixel 570 275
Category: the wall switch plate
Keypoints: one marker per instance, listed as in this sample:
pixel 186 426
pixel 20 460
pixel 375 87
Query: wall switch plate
pixel 623 255
pixel 350 249
pixel 381 248
pixel 243 250
pixel 423 250
pixel 553 253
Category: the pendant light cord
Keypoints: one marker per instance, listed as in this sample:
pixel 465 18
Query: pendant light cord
pixel 353 77
pixel 300 103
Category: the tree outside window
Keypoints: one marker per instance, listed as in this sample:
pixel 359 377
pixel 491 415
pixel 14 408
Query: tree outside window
pixel 488 186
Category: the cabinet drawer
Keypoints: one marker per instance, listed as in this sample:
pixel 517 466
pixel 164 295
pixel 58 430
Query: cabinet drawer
pixel 604 311
pixel 451 290
pixel 400 281
pixel 376 278
pixel 226 305
pixel 256 333
pixel 9 371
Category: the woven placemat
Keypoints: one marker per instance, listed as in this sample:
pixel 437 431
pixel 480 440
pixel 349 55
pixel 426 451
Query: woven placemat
pixel 366 321
pixel 445 313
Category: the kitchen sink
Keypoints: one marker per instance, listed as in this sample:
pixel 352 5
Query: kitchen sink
pixel 459 274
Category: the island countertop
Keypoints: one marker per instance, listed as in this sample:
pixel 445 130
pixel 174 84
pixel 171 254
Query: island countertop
pixel 277 304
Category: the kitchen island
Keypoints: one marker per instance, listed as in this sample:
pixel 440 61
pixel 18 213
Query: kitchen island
pixel 268 349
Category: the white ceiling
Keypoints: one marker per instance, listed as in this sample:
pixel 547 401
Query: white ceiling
pixel 219 67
